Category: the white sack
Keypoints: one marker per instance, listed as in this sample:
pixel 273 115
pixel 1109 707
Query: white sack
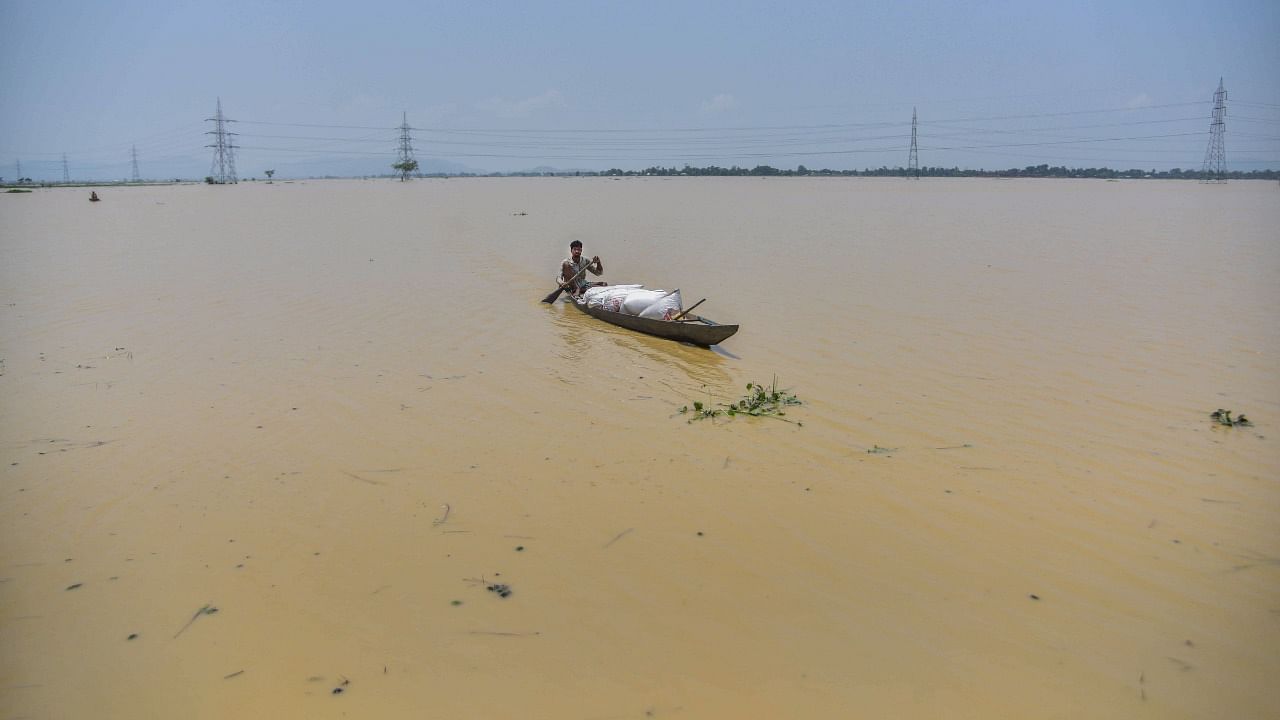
pixel 664 308
pixel 597 289
pixel 597 296
pixel 640 299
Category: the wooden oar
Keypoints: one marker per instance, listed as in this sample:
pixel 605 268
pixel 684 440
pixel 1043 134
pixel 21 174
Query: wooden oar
pixel 552 297
pixel 686 312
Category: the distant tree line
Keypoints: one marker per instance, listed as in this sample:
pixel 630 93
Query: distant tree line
pixel 1030 171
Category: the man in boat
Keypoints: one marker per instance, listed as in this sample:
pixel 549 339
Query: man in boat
pixel 571 268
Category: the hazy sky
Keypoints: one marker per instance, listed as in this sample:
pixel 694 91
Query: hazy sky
pixel 504 86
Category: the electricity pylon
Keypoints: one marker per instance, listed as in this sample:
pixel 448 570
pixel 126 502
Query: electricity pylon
pixel 405 162
pixel 136 177
pixel 223 170
pixel 1215 156
pixel 913 161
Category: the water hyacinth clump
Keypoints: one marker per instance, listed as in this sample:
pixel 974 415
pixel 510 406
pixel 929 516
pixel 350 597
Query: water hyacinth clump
pixel 760 401
pixel 1223 417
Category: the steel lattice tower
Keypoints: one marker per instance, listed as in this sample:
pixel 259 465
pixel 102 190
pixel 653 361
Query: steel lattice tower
pixel 66 174
pixel 224 156
pixel 136 177
pixel 404 156
pixel 1215 156
pixel 913 161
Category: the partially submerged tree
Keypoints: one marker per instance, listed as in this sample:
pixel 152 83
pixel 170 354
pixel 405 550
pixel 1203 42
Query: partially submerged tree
pixel 405 168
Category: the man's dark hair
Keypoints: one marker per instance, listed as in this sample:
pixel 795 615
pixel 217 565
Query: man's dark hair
pixel 575 243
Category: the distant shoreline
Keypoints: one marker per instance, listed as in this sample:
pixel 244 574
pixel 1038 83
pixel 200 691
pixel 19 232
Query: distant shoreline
pixel 94 184
pixel 1268 176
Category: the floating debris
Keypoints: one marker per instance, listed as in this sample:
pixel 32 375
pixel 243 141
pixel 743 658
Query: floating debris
pixel 443 518
pixel 206 610
pixel 1223 417
pixel 618 537
pixel 500 589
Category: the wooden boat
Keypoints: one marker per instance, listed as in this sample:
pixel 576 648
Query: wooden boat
pixel 691 328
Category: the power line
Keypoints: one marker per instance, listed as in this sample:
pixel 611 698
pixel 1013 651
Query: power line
pixel 380 140
pixel 711 129
pixel 367 153
pixel 803 127
pixel 738 143
pixel 675 154
pixel 316 125
pixel 184 132
pixel 977 136
pixel 1067 142
pixel 1094 126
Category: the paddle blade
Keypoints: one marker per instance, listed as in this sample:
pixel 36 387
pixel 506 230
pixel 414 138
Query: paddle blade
pixel 552 297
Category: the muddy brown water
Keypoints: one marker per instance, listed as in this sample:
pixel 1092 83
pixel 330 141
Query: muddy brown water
pixel 334 409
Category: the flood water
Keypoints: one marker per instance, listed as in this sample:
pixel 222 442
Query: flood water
pixel 336 411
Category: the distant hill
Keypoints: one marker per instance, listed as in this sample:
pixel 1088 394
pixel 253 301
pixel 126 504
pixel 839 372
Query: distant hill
pixel 548 170
pixel 348 167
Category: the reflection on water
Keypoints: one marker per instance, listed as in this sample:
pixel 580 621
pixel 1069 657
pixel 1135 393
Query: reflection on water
pixel 721 351
pixel 573 331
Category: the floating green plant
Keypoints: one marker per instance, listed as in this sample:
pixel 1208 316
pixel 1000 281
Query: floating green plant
pixel 760 401
pixel 1223 417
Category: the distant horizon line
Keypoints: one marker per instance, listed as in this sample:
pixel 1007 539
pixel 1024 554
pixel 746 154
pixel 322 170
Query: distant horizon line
pixel 1038 172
